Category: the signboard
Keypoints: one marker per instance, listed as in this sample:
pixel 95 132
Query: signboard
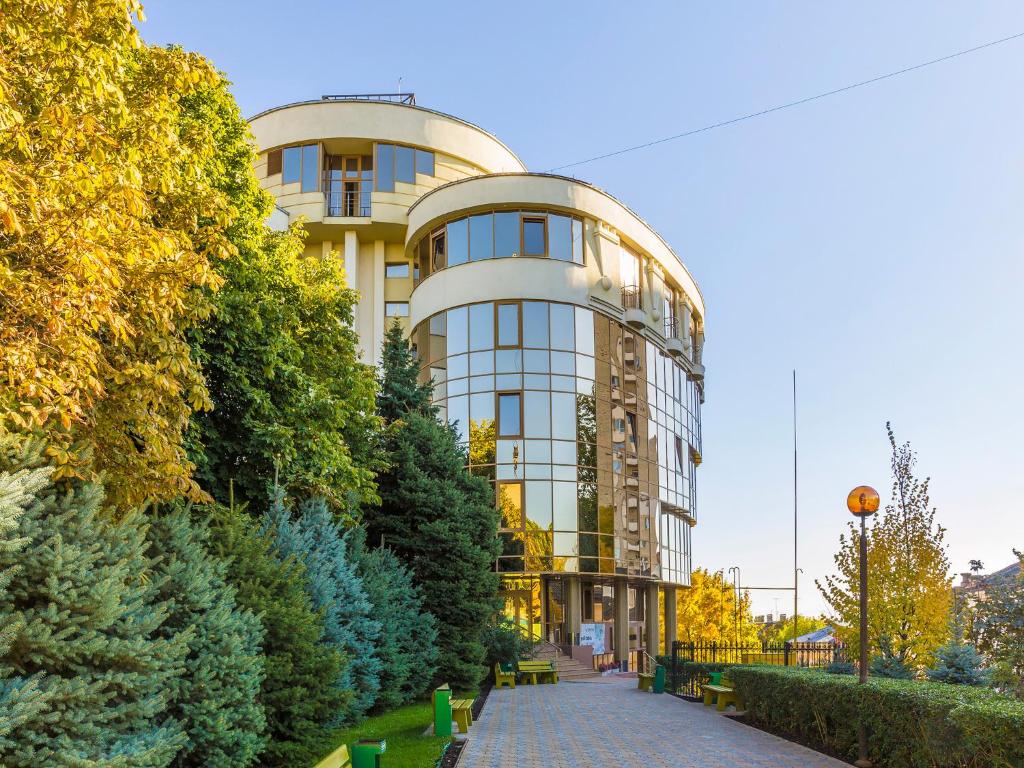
pixel 592 635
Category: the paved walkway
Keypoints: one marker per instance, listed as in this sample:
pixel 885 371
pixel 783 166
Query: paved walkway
pixel 612 724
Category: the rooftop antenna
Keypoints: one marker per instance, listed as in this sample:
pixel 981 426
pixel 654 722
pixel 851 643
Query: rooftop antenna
pixel 796 570
pixel 399 88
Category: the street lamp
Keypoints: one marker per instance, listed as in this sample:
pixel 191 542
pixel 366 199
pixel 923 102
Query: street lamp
pixel 863 502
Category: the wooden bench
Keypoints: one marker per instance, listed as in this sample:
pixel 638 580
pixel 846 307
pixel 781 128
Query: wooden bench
pixel 337 759
pixel 725 695
pixel 645 681
pixel 462 713
pixel 504 674
pixel 532 671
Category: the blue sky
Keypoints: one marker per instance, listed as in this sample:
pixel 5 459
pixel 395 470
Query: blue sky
pixel 872 240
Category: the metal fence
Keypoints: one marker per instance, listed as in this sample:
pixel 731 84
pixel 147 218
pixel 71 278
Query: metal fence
pixel 687 680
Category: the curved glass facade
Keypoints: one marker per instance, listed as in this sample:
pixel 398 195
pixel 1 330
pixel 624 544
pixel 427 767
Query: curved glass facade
pixel 588 431
pixel 500 235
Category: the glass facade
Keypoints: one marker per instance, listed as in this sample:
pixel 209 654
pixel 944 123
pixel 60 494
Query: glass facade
pixel 501 235
pixel 588 432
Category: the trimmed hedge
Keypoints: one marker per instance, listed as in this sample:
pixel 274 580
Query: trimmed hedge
pixel 911 724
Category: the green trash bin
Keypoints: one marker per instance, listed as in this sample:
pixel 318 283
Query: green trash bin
pixel 659 679
pixel 442 711
pixel 366 753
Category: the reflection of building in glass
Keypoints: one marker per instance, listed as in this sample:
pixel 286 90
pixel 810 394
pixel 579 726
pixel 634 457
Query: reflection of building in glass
pixel 563 336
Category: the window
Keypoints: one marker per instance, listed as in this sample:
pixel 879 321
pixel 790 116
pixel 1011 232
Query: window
pixel 629 268
pixel 577 241
pixel 273 162
pixel 348 183
pixel 291 165
pixel 560 237
pixel 534 236
pixel 458 242
pixel 506 235
pixel 481 237
pixel 631 431
pixel 437 251
pixel 397 270
pixel 396 309
pixel 509 496
pixel 508 325
pixel 310 168
pixel 424 162
pixel 405 164
pixel 386 167
pixel 510 414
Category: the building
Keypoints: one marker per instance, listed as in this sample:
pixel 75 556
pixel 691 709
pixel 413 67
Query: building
pixel 974 586
pixel 562 333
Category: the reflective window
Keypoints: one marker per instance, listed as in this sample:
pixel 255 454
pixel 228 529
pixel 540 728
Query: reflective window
pixel 311 168
pixel 508 325
pixel 481 326
pixel 534 236
pixel 509 361
pixel 292 165
pixel 437 251
pixel 481 237
pixel 396 309
pixel 577 241
pixel 510 503
pixel 405 164
pixel 396 270
pixel 560 237
pixel 510 414
pixel 506 235
pixel 562 325
pixel 563 416
pixel 424 162
pixel 386 167
pixel 458 242
pixel 538 505
pixel 458 330
pixel 537 414
pixel 535 324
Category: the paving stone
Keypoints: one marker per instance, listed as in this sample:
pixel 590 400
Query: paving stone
pixel 611 723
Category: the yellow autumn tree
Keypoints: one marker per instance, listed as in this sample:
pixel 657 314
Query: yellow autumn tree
pixel 708 612
pixel 108 225
pixel 910 593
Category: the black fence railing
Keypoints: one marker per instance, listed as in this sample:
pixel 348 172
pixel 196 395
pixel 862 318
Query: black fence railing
pixel 394 98
pixel 686 678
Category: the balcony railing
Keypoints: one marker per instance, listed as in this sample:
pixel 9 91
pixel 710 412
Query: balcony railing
pixel 348 203
pixel 631 297
pixel 671 328
pixel 393 98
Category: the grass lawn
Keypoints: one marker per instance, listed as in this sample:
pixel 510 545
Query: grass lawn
pixel 403 728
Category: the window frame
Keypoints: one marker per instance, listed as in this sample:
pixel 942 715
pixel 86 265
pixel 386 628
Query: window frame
pixel 438 234
pixel 519 324
pixel 543 219
pixel 389 264
pixel 392 303
pixel 498 434
pixel 275 159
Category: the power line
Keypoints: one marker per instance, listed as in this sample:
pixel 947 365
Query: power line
pixel 797 103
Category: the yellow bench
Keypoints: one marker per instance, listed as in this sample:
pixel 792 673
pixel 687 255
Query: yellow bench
pixel 462 713
pixel 337 759
pixel 645 681
pixel 532 671
pixel 503 676
pixel 724 693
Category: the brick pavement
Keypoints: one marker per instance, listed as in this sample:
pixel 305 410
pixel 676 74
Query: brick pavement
pixel 610 723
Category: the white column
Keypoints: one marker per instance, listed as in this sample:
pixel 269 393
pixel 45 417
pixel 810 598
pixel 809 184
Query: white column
pixel 670 617
pixel 684 326
pixel 652 619
pixel 377 333
pixel 351 254
pixel 621 621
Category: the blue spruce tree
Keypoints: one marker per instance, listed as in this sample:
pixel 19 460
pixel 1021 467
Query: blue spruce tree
pixel 217 700
pixel 407 647
pixel 958 663
pixel 83 602
pixel 317 541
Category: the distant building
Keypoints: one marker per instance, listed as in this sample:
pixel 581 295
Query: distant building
pixel 973 586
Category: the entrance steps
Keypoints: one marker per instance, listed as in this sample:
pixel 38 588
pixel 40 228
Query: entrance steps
pixel 568 667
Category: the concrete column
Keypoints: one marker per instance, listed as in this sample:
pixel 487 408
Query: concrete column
pixel 544 608
pixel 572 605
pixel 685 314
pixel 670 617
pixel 378 301
pixel 621 620
pixel 326 247
pixel 652 619
pixel 351 254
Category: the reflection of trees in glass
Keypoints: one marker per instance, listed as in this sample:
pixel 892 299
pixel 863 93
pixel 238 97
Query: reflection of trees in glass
pixel 534 544
pixel 586 437
pixel 482 450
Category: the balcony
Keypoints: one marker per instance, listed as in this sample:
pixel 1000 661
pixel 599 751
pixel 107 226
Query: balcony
pixel 632 305
pixel 674 345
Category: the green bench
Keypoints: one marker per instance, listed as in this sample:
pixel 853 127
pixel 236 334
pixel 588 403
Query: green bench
pixel 533 671
pixel 504 675
pixel 722 694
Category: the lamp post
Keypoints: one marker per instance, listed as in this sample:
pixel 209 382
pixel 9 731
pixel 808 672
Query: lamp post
pixel 736 583
pixel 863 502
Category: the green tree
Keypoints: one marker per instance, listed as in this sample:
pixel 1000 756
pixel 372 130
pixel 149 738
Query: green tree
pixel 888 663
pixel 999 627
pixel 909 589
pixel 436 516
pixel 782 631
pixel 958 663
pixel 708 612
pixel 407 647
pixel 279 352
pixel 216 701
pixel 84 603
pixel 299 692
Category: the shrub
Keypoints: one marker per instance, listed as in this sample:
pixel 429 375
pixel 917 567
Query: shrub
pixel 911 724
pixel 889 663
pixel 958 663
pixel 840 667
pixel 504 644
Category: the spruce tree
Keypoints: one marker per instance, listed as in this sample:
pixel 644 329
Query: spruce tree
pixel 958 663
pixel 21 700
pixel 407 647
pixel 436 517
pixel 83 601
pixel 314 539
pixel 217 700
pixel 299 693
pixel 889 663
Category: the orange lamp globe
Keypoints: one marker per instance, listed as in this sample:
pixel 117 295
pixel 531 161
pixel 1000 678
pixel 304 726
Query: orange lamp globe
pixel 863 501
